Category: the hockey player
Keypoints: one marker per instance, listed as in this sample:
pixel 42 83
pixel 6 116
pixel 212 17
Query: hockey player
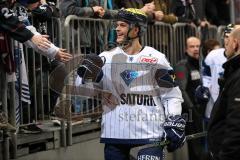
pixel 145 105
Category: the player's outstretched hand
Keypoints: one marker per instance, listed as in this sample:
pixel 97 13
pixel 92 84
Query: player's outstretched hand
pixel 174 127
pixel 63 56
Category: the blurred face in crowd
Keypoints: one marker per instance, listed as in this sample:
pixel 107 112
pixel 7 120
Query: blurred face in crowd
pixel 122 29
pixel 232 44
pixel 33 6
pixel 226 39
pixel 193 47
pixel 10 3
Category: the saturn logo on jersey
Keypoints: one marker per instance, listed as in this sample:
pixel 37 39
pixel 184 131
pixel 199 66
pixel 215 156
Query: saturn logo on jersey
pixel 128 76
pixel 137 99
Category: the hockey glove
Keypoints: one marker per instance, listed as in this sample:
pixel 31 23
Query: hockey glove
pixel 202 94
pixel 174 127
pixel 91 68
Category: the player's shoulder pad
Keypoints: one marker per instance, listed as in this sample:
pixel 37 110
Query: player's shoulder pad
pixel 165 78
pixel 109 54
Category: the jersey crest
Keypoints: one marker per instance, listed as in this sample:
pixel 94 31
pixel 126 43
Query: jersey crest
pixel 128 76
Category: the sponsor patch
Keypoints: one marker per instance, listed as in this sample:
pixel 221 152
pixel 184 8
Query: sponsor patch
pixel 148 59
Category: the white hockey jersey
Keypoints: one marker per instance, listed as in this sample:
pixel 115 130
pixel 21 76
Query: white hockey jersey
pixel 140 105
pixel 211 73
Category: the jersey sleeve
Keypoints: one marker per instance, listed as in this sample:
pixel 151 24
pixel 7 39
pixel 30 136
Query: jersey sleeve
pixel 50 52
pixel 170 94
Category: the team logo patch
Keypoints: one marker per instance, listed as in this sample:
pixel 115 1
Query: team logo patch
pixel 128 76
pixel 147 59
pixel 130 59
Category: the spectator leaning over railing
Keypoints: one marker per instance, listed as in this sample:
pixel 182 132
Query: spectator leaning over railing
pixel 45 47
pixel 188 78
pixel 16 29
pixel 224 128
pixel 53 51
pixel 43 14
pixel 11 26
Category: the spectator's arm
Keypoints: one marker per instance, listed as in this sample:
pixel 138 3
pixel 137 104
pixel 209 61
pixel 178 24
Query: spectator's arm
pixel 170 18
pixel 110 14
pixel 70 7
pixel 9 23
pixel 51 52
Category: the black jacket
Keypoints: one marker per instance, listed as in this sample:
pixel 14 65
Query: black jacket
pixel 188 78
pixel 10 24
pixel 224 126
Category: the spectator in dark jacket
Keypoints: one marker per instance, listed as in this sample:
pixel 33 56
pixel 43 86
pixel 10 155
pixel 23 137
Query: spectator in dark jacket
pixel 224 128
pixel 188 78
pixel 10 24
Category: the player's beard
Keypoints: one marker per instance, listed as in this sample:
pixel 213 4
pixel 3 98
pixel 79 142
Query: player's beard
pixel 126 42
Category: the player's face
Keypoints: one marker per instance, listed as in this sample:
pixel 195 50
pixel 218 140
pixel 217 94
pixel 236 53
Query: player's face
pixel 193 46
pixel 122 31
